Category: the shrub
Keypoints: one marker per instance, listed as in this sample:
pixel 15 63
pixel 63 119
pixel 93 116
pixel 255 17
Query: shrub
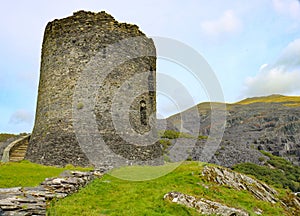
pixel 80 105
pixel 165 144
pixel 171 134
pixel 189 158
pixel 284 174
pixel 201 137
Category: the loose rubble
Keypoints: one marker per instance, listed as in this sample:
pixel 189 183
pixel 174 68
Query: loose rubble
pixel 204 206
pixel 27 201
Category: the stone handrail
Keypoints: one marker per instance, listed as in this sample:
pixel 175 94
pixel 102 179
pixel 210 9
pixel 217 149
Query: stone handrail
pixel 12 146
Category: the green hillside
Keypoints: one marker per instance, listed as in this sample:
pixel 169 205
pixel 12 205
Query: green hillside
pixel 286 100
pixel 114 196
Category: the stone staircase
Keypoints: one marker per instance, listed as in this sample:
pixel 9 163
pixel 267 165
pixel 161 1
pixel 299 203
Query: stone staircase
pixel 16 150
pixel 19 153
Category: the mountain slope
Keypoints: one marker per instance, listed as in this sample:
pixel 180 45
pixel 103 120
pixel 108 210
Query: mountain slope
pixel 269 123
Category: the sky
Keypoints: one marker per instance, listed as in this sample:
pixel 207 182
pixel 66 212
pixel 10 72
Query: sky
pixel 253 47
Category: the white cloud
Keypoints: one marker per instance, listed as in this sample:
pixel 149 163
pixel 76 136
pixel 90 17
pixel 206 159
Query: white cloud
pixel 290 55
pixel 281 77
pixel 287 7
pixel 227 23
pixel 263 66
pixel 274 81
pixel 21 116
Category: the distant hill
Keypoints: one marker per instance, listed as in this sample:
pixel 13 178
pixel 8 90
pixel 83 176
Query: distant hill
pixel 270 123
pixel 284 100
pixel 6 136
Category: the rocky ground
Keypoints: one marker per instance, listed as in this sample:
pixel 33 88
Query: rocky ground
pixel 272 127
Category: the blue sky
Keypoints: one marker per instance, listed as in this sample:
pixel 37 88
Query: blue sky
pixel 252 46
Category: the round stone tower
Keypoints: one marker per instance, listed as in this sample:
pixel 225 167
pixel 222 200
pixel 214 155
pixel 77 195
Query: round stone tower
pixel 96 99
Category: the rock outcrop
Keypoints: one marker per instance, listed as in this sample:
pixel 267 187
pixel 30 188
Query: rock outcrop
pixel 238 181
pixel 259 190
pixel 29 201
pixel 203 206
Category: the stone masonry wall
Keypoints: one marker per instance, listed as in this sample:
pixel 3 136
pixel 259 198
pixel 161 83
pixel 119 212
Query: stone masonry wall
pixel 69 45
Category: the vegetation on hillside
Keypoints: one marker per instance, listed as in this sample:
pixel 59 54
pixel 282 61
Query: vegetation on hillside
pixel 286 100
pixel 277 172
pixel 6 136
pixel 172 134
pixel 113 196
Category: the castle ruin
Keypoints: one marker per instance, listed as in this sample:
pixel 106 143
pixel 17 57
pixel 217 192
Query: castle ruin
pixel 70 46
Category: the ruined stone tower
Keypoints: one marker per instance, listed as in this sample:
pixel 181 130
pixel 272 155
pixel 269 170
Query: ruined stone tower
pixel 71 118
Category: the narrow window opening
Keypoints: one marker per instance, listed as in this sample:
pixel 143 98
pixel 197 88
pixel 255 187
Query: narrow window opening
pixel 104 52
pixel 143 112
pixel 151 82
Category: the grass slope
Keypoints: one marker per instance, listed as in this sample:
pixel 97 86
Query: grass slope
pixel 16 174
pixel 286 100
pixel 114 196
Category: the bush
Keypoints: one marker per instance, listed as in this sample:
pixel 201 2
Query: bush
pixel 284 174
pixel 165 144
pixel 201 137
pixel 80 105
pixel 171 134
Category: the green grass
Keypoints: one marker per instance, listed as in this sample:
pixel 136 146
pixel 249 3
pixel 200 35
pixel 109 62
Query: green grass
pixel 286 100
pixel 25 173
pixel 202 137
pixel 114 196
pixel 171 134
pixel 283 174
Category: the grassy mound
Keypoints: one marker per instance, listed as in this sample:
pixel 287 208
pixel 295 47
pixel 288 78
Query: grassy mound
pixel 114 196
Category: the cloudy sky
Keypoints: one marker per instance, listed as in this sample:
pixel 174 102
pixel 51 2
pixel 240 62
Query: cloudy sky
pixel 253 47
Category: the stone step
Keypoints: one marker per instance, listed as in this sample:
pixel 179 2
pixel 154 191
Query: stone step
pixel 19 153
pixel 16 159
pixel 23 148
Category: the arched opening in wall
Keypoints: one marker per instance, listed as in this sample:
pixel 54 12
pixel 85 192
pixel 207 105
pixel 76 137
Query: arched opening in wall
pixel 143 112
